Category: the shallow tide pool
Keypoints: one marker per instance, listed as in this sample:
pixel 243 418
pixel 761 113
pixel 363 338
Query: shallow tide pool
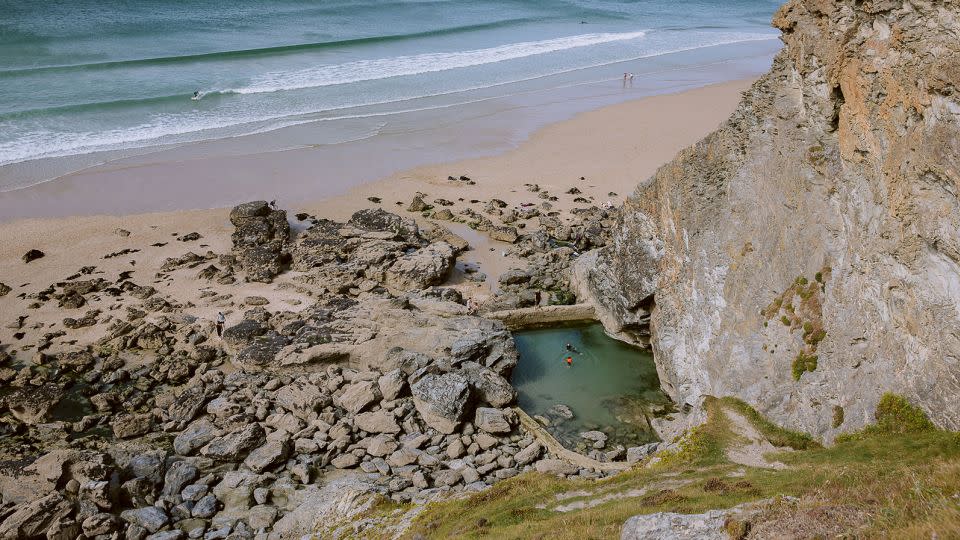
pixel 608 385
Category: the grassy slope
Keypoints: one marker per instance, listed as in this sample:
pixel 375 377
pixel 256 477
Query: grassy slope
pixel 901 477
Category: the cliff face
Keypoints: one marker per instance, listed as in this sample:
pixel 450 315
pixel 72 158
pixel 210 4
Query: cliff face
pixel 806 255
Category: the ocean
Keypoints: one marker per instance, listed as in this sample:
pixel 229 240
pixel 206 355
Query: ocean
pixel 95 80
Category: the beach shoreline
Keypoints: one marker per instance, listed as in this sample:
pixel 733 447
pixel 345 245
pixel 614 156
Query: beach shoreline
pixel 322 159
pixel 627 142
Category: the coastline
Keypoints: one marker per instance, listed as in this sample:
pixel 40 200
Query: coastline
pixel 627 142
pixel 326 157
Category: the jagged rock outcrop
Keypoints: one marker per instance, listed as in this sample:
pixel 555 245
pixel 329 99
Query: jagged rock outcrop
pixel 806 255
pixel 260 239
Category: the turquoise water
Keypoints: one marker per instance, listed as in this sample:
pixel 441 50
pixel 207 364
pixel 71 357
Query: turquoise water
pixel 610 386
pixel 85 76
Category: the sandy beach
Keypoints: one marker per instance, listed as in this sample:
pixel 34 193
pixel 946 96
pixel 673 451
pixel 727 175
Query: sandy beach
pixel 611 149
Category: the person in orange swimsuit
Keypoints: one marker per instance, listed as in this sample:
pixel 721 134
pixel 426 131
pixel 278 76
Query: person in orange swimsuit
pixel 569 361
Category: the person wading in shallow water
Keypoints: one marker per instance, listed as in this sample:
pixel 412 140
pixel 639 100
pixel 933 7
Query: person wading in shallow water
pixel 569 361
pixel 220 320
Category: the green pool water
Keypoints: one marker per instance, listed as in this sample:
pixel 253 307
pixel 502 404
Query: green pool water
pixel 610 386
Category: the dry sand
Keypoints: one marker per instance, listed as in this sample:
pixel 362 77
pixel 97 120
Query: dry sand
pixel 613 149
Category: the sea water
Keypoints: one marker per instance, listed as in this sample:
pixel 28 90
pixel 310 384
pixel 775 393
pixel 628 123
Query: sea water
pixel 608 385
pixel 79 77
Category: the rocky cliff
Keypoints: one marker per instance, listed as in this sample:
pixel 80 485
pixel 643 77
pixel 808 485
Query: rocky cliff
pixel 806 255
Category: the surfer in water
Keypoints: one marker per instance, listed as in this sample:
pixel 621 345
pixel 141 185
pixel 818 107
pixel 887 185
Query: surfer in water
pixel 196 96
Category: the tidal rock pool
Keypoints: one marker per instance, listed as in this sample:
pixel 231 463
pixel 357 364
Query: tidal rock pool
pixel 606 386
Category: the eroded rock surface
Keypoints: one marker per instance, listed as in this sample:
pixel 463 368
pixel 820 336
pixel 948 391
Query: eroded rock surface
pixel 805 256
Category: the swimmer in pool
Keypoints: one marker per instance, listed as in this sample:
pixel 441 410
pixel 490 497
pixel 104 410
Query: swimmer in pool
pixel 571 348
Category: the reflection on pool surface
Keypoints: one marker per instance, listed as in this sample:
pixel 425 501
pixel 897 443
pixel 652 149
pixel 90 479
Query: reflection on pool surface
pixel 608 385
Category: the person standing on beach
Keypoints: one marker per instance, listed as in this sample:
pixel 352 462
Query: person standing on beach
pixel 221 319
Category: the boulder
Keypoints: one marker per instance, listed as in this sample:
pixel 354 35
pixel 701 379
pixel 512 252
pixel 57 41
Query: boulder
pixel 260 239
pixel 381 421
pixel 441 400
pixel 268 455
pixel 381 446
pixel 33 519
pixel 446 477
pixel 206 507
pixel 178 476
pixel 488 386
pixel 515 277
pixel 494 420
pixel 261 352
pixel 98 524
pixel 528 454
pixel 127 426
pixel 358 396
pixel 150 518
pixel 505 233
pixel 391 384
pixel 191 439
pixel 636 454
pixel 706 526
pixel 235 446
pixel 242 334
pixel 301 399
pixel 379 220
pixel 33 255
pixel 262 516
pixel 345 461
pixel 173 534
pixel 421 269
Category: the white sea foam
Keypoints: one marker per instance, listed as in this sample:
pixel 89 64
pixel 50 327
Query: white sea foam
pixel 177 128
pixel 384 68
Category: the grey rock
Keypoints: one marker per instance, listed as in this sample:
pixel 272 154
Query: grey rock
pixel 261 352
pixel 127 426
pixel 260 239
pixel 381 421
pixel 496 421
pixel 441 400
pixel 636 454
pixel 235 445
pixel 556 466
pixel 345 461
pixel 262 516
pixel 268 455
pixel 421 269
pixel 529 453
pixel 488 386
pixel 101 523
pixel 392 384
pixel 178 476
pixel 150 518
pixel 358 396
pixel 173 534
pixel 206 507
pixel 34 518
pixel 194 437
pixel 706 526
